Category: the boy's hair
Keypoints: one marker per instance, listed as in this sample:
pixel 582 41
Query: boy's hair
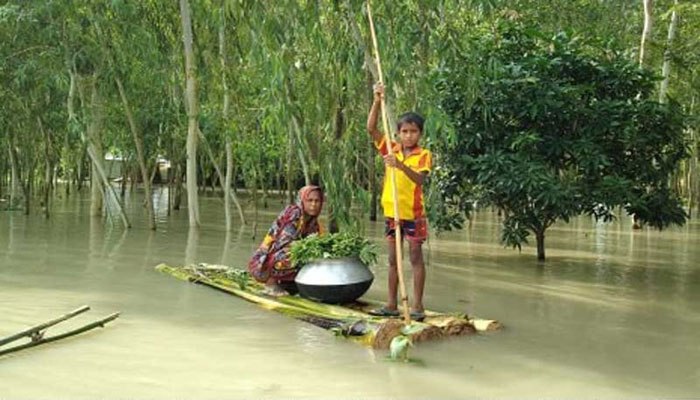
pixel 411 118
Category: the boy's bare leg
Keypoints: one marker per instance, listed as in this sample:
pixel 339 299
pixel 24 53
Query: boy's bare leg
pixel 393 276
pixel 418 265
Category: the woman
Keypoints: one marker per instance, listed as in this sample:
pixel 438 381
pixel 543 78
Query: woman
pixel 270 263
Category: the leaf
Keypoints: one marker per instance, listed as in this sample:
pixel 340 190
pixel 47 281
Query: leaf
pixel 398 348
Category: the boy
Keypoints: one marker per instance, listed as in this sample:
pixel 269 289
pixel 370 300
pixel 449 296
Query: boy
pixel 412 164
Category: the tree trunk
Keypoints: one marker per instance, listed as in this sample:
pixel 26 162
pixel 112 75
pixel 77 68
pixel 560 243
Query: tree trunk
pixel 229 147
pixel 648 25
pixel 28 189
pixel 80 163
pixel 93 144
pixel 263 186
pixel 125 178
pixel 254 194
pixel 71 173
pixel 227 192
pixel 693 179
pixel 179 174
pixel 290 172
pixel 371 170
pixel 100 186
pixel 108 189
pixel 227 186
pixel 192 128
pixel 304 164
pixel 140 155
pixel 46 194
pixel 666 69
pixel 14 175
pixel 96 199
pixel 539 235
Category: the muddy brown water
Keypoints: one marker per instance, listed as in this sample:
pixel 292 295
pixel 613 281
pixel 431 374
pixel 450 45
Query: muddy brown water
pixel 613 313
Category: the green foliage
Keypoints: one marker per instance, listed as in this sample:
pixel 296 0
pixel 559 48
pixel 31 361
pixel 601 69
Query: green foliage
pixel 336 245
pixel 398 348
pixel 556 128
pixel 240 276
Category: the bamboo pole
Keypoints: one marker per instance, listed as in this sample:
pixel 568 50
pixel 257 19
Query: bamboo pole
pixel 41 327
pixel 85 328
pixel 392 172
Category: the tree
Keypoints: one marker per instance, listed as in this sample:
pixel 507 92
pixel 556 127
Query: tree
pixel 648 26
pixel 192 113
pixel 557 128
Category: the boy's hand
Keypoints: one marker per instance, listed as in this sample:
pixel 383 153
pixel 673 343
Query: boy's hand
pixel 378 92
pixel 391 161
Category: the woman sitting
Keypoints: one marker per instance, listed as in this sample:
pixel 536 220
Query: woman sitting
pixel 270 262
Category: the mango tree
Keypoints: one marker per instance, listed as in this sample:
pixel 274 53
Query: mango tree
pixel 557 128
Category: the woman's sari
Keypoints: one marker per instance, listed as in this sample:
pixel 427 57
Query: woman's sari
pixel 271 259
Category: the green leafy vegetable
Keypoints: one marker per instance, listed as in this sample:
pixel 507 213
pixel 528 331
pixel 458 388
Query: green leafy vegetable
pixel 336 245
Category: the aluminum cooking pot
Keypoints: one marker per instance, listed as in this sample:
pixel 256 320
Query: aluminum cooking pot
pixel 336 280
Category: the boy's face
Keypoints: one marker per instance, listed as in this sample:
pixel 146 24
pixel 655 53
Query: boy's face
pixel 409 133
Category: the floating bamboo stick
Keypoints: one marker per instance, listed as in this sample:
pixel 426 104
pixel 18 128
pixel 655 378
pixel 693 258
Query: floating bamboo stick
pixel 35 330
pixel 40 340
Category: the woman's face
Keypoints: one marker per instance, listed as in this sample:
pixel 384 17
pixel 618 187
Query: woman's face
pixel 312 203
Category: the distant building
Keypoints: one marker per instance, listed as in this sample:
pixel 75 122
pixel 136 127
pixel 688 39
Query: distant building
pixel 113 165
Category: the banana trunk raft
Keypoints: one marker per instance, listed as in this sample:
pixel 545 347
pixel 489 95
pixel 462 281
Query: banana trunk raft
pixel 348 320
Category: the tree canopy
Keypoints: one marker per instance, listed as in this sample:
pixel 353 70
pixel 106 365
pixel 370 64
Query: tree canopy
pixel 556 128
pixel 283 89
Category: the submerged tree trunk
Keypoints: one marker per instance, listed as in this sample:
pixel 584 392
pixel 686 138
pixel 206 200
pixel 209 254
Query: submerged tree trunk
pixel 254 197
pixel 646 33
pixel 14 173
pixel 539 235
pixel 140 155
pixel 94 148
pixel 192 105
pixel 666 69
pixel 229 193
pixel 227 186
pixel 100 186
pixel 46 190
pixel 227 150
pixel 177 198
pixel 692 178
pixel 28 189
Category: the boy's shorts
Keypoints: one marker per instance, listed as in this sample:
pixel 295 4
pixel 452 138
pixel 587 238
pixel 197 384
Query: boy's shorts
pixel 414 230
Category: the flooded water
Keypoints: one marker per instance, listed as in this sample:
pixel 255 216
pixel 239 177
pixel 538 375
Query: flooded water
pixel 612 313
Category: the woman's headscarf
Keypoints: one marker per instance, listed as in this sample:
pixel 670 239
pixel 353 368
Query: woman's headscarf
pixel 304 194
